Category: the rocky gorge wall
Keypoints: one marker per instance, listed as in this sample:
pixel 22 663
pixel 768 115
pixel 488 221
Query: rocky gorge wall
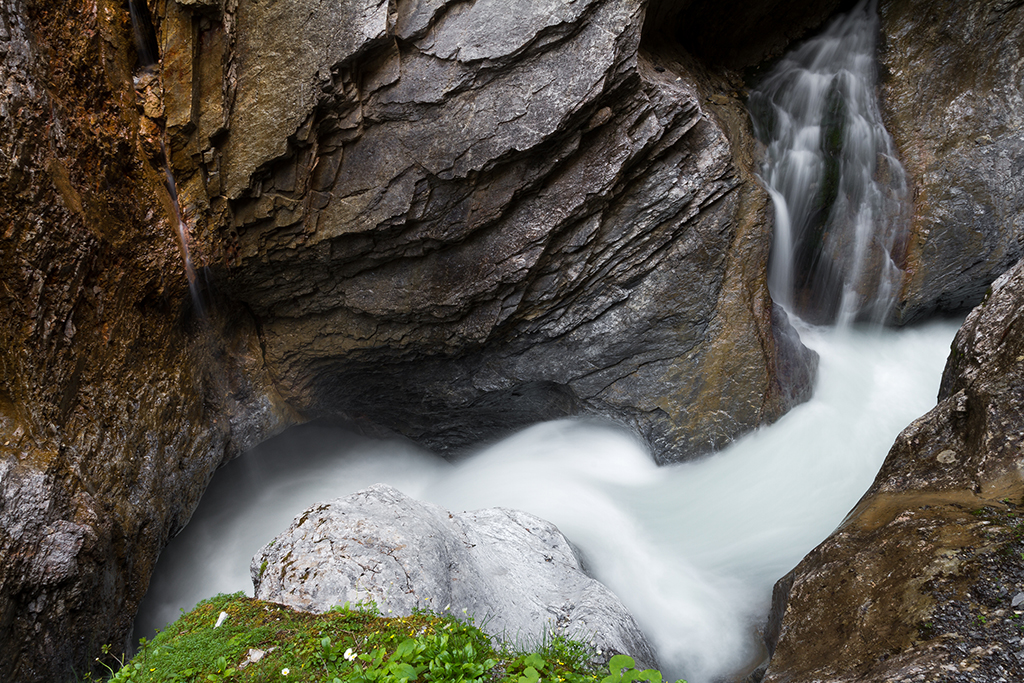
pixel 454 239
pixel 107 398
pixel 953 95
pixel 446 218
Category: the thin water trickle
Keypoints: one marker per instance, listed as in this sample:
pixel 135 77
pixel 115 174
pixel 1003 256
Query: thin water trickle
pixel 145 46
pixel 831 168
pixel 692 549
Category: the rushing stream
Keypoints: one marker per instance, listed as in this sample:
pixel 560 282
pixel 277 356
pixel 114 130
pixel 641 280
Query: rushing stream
pixel 692 549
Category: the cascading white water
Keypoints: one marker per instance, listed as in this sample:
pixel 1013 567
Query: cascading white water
pixel 693 549
pixel 838 188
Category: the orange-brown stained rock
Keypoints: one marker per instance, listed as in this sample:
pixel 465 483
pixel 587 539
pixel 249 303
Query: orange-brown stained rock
pixel 859 602
pixel 108 397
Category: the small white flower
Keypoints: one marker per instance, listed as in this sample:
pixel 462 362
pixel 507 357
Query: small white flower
pixel 350 655
pixel 284 671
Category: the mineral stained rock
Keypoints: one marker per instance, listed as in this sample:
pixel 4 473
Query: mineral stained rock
pixel 871 603
pixel 953 94
pixel 513 573
pixel 114 410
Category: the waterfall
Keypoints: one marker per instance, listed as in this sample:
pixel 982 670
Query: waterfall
pixel 838 189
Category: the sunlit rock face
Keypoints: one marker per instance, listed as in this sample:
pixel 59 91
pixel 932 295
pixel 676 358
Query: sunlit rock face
pixel 920 578
pixel 953 95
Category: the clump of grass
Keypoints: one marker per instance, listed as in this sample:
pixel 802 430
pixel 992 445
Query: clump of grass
pixel 235 638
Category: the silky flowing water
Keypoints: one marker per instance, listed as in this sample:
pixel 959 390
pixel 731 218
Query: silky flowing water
pixel 838 189
pixel 692 549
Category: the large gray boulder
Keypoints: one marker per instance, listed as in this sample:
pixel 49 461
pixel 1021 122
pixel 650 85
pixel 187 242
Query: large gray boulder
pixel 514 574
pixel 458 218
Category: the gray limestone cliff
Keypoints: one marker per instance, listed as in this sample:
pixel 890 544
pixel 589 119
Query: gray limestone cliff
pixel 953 94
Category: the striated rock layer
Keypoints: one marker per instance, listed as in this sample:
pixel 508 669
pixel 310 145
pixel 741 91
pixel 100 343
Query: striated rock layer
pixel 872 602
pixel 457 219
pixel 513 573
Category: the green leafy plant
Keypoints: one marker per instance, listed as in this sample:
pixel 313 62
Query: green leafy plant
pixel 264 642
pixel 621 670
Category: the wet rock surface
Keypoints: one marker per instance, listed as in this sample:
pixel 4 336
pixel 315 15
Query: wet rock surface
pixel 953 94
pixel 110 395
pixel 513 573
pixel 918 583
pixel 456 237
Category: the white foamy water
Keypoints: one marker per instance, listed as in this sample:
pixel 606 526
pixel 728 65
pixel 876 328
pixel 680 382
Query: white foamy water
pixel 692 549
pixel 831 168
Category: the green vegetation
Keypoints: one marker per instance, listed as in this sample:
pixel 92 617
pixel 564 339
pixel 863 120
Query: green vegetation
pixel 261 642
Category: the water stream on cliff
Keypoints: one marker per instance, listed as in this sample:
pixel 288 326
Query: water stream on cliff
pixel 146 49
pixel 692 549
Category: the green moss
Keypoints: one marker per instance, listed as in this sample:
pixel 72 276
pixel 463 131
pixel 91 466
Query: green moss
pixel 351 645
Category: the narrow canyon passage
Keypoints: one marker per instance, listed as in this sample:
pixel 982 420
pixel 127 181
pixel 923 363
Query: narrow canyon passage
pixel 453 223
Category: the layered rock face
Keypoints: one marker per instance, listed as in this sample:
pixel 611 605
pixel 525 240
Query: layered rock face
pixel 513 573
pixel 456 219
pixel 921 580
pixel 953 87
pixel 113 410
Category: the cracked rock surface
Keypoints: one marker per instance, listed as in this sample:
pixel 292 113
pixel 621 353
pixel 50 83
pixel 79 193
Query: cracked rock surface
pixel 514 573
pixel 458 219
